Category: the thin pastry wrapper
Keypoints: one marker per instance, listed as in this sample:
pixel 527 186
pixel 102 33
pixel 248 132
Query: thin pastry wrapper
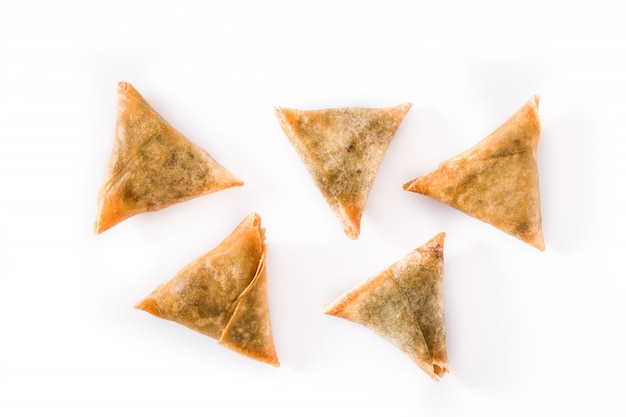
pixel 496 181
pixel 342 149
pixel 152 165
pixel 404 304
pixel 223 294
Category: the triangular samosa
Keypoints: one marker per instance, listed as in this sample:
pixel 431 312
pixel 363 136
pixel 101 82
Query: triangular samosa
pixel 342 149
pixel 404 304
pixel 223 294
pixel 497 180
pixel 152 165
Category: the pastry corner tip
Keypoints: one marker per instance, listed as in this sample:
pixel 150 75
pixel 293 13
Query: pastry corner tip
pixel 410 186
pixel 325 309
pixel 329 309
pixel 140 305
pixel 149 305
pixel 279 112
pixel 352 235
pixel 101 225
pixel 337 308
pixel 540 245
pixel 96 228
pixel 534 100
pixel 440 369
pixel 268 356
pixel 406 106
pixel 274 362
pixel 124 86
pixel 254 218
pixel 440 238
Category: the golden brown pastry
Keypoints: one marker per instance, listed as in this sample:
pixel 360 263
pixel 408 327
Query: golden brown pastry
pixel 404 304
pixel 497 180
pixel 342 149
pixel 223 294
pixel 152 165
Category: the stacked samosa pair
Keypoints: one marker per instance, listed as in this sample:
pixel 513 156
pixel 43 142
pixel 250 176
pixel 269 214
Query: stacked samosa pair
pixel 222 294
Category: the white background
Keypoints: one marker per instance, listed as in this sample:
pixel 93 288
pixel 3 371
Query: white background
pixel 529 333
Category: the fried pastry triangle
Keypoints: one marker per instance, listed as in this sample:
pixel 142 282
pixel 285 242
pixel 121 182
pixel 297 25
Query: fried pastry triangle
pixel 152 165
pixel 223 294
pixel 343 149
pixel 497 180
pixel 404 304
